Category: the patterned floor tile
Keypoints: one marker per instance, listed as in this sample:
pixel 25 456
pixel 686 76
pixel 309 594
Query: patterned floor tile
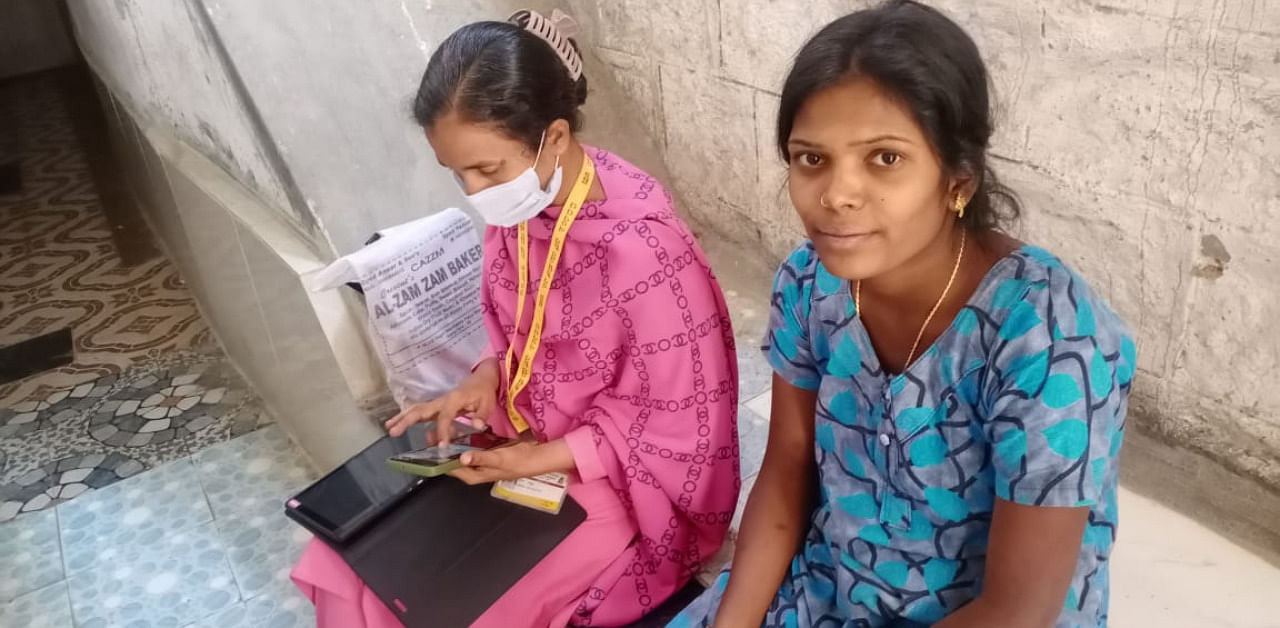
pixel 100 432
pixel 30 553
pixel 177 403
pixel 49 607
pixel 172 581
pixel 252 474
pixel 280 606
pixel 138 512
pixel 262 548
pixel 58 267
pixel 62 480
pixel 55 408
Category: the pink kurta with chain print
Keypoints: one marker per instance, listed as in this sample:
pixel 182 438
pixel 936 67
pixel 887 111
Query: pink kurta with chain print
pixel 637 373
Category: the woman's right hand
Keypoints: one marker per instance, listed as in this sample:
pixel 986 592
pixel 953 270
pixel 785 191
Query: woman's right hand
pixel 475 398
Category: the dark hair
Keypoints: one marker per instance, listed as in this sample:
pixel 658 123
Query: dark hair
pixel 499 73
pixel 928 63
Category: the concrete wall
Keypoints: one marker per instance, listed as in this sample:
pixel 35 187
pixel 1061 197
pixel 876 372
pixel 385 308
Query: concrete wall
pixel 304 352
pixel 1143 137
pixel 260 155
pixel 313 114
pixel 336 93
pixel 33 37
pixel 163 62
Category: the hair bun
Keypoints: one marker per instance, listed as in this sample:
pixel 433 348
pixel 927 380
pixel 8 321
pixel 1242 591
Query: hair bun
pixel 557 32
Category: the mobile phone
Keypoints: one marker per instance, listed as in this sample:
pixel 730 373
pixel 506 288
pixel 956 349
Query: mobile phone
pixel 461 427
pixel 441 459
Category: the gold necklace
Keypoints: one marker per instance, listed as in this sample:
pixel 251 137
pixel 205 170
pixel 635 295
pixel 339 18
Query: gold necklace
pixel 857 302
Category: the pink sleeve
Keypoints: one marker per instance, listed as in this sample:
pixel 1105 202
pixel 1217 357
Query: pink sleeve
pixel 586 453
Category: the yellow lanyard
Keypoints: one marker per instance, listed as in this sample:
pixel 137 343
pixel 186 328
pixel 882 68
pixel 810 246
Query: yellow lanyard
pixel 567 215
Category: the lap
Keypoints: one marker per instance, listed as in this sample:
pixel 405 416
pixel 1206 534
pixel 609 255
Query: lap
pixel 805 599
pixel 545 595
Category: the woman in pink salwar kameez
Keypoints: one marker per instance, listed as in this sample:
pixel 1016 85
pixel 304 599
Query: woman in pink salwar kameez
pixel 633 388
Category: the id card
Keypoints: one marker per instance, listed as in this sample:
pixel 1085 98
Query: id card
pixel 541 492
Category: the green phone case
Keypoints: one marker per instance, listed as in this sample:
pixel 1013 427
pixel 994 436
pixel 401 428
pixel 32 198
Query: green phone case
pixel 425 471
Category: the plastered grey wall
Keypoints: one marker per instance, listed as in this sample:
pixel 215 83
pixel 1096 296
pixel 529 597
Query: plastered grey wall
pixel 336 89
pixel 163 63
pixel 1143 137
pixel 311 105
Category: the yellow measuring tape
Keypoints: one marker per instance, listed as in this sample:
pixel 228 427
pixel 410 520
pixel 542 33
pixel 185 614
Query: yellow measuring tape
pixel 571 207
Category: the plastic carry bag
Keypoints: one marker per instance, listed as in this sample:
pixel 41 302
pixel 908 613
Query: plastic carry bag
pixel 421 282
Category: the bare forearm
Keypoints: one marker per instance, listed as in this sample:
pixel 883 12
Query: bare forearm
pixel 552 456
pixel 773 525
pixel 1030 561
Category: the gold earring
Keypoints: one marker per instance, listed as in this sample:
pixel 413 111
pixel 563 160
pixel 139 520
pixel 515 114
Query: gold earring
pixel 959 207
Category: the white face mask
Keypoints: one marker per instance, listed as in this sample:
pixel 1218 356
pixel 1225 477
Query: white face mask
pixel 511 203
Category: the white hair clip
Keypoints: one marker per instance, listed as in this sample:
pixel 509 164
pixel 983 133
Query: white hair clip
pixel 556 32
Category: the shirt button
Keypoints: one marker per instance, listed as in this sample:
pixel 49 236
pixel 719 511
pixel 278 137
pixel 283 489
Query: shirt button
pixel 884 440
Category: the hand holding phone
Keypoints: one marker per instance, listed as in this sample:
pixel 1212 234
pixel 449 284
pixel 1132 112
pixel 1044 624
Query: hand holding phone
pixel 524 458
pixel 445 457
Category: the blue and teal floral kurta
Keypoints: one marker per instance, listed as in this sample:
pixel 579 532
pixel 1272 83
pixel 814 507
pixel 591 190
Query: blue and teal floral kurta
pixel 1022 398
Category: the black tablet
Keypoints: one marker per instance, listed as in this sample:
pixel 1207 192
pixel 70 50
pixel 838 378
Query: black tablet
pixel 342 503
pixel 448 551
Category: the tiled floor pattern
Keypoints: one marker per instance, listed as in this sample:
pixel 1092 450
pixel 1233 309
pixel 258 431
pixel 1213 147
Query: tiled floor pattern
pixel 87 437
pixel 58 267
pixel 201 542
pixel 147 385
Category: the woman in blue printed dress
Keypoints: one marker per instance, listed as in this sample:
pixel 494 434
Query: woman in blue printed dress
pixel 948 403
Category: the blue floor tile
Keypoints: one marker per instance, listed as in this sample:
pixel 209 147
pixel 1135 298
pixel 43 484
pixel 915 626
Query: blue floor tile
pixel 178 580
pixel 47 608
pixel 254 473
pixel 279 606
pixel 138 512
pixel 30 554
pixel 262 548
